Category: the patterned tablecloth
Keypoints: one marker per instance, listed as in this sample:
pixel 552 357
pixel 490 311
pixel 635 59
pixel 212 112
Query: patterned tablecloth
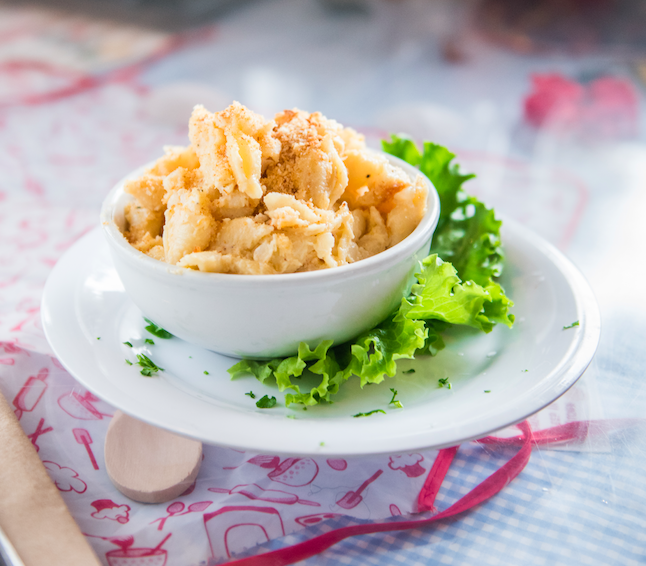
pixel 83 102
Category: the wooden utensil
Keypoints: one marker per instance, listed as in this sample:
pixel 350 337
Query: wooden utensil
pixel 33 514
pixel 149 464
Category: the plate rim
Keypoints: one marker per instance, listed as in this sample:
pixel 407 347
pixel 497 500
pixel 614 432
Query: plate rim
pixel 564 375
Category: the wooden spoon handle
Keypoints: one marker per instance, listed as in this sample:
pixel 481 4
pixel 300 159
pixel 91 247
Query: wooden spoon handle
pixel 147 463
pixel 33 514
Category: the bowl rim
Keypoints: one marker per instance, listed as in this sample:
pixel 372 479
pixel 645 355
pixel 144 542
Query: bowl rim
pixel 408 246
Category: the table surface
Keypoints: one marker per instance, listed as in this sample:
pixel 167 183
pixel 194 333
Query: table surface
pixel 86 113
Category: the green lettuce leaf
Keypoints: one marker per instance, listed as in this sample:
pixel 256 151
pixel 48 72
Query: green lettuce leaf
pixel 437 300
pixel 468 233
pixel 455 285
pixel 374 353
pixel 439 294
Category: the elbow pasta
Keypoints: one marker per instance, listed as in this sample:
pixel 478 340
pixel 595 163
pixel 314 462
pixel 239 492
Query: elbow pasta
pixel 255 196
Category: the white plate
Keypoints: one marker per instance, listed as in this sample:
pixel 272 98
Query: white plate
pixel 524 369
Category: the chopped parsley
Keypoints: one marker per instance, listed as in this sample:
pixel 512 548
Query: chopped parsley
pixel 128 344
pixel 149 341
pixel 322 444
pixel 395 402
pixel 575 323
pixel 525 370
pixel 251 394
pixel 411 370
pixel 98 337
pixel 128 362
pixel 149 368
pixel 157 330
pixel 487 390
pixel 291 416
pixel 266 402
pixel 444 382
pixel 369 413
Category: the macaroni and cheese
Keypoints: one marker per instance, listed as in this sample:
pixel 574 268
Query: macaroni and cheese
pixel 255 196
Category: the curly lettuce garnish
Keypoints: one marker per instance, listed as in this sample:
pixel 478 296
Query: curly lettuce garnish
pixel 455 285
pixel 468 233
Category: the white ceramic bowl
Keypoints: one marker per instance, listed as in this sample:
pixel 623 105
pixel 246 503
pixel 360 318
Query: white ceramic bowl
pixel 263 316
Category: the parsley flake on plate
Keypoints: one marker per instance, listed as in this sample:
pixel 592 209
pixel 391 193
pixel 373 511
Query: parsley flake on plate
pixel 149 368
pixel 444 382
pixel 149 341
pixel 156 330
pixel 251 394
pixel 266 402
pixel 575 323
pixel 369 413
pixel 394 401
pixel 128 344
